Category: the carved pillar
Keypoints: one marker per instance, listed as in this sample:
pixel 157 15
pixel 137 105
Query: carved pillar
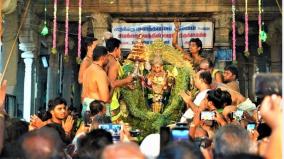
pixel 222 29
pixel 101 23
pixel 28 39
pixel 28 59
pixel 275 41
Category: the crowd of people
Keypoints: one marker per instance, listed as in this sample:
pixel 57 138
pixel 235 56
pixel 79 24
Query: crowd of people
pixel 218 123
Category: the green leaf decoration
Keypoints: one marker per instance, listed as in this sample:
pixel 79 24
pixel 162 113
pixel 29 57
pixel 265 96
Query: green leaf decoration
pixel 246 53
pixel 78 60
pixel 44 31
pixel 260 50
pixel 140 115
pixel 263 36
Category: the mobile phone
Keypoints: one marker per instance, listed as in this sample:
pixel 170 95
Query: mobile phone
pixel 114 129
pixel 238 115
pixel 207 115
pixel 267 84
pixel 251 126
pixel 180 134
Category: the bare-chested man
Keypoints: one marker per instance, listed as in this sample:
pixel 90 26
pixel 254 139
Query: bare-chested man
pixel 195 47
pixel 95 80
pixel 91 43
pixel 115 72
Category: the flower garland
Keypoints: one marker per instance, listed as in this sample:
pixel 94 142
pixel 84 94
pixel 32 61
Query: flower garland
pixel 260 49
pixel 79 32
pixel 136 100
pixel 44 30
pixel 66 28
pixel 246 52
pixel 234 29
pixel 53 50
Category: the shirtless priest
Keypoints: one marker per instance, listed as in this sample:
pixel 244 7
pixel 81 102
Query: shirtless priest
pixel 115 74
pixel 95 80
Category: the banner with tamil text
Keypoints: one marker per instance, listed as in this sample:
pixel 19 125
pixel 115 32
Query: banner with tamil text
pixel 128 32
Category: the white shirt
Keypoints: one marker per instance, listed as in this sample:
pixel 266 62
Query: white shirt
pixel 197 101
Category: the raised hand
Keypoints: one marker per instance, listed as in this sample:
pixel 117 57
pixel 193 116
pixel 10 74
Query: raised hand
pixel 3 89
pixel 36 122
pixel 270 111
pixel 187 97
pixel 67 125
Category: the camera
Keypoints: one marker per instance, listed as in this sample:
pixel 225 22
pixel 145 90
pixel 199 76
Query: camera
pixel 251 126
pixel 237 115
pixel 180 133
pixel 267 84
pixel 114 129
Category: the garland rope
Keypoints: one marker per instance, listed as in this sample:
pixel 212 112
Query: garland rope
pixel 234 28
pixel 260 49
pixel 79 30
pixel 66 28
pixel 53 50
pixel 246 31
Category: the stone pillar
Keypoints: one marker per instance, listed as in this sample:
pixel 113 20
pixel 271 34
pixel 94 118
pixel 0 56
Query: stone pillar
pixel 28 39
pixel 222 29
pixel 28 59
pixel 275 41
pixel 101 23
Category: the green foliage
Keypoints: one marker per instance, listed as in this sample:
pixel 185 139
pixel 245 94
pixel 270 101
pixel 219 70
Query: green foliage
pixel 140 115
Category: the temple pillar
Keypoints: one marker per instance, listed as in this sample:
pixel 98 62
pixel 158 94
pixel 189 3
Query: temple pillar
pixel 101 24
pixel 28 39
pixel 28 59
pixel 222 29
pixel 275 41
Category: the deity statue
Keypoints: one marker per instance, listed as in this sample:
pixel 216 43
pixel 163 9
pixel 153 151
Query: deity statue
pixel 159 84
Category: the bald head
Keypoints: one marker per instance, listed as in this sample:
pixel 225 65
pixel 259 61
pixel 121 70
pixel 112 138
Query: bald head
pixel 122 150
pixel 42 143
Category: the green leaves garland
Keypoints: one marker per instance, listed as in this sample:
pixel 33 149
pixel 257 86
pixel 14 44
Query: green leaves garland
pixel 140 114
